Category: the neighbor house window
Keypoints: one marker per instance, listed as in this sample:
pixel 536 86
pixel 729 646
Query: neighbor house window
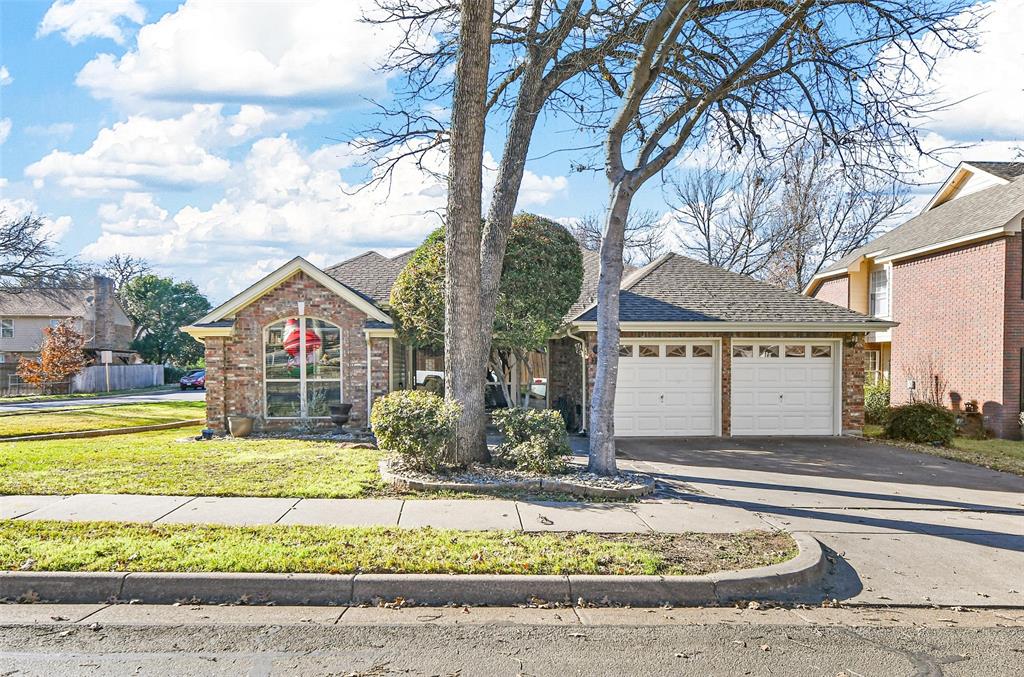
pixel 302 363
pixel 872 365
pixel 6 328
pixel 878 296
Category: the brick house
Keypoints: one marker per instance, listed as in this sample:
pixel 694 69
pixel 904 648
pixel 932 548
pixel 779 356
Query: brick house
pixel 951 278
pixel 703 352
pixel 92 307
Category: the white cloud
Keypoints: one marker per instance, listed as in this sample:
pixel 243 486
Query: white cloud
pixel 5 129
pixel 280 202
pixel 982 90
pixel 5 76
pixel 141 152
pixel 57 130
pixel 304 52
pixel 81 19
pixel 54 228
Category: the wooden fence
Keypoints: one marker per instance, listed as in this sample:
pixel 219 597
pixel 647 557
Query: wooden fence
pixel 122 377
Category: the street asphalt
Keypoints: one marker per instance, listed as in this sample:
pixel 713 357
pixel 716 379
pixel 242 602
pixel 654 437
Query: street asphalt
pixel 140 640
pixel 121 398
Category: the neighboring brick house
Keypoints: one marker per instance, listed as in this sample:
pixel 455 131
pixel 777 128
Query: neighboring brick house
pixel 94 309
pixel 951 278
pixel 704 352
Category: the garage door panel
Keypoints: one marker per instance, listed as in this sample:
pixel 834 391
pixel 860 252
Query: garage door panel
pixel 658 396
pixel 782 396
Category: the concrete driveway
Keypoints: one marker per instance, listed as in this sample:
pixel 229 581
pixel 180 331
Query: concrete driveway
pixel 906 528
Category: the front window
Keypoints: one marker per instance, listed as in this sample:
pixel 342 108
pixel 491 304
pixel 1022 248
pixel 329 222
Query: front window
pixel 879 293
pixel 872 365
pixel 6 328
pixel 302 361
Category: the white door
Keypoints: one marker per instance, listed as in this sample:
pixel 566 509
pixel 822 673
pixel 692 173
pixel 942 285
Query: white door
pixel 783 388
pixel 666 389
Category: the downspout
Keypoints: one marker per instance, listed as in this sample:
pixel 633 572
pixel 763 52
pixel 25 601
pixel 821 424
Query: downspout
pixel 583 373
pixel 369 379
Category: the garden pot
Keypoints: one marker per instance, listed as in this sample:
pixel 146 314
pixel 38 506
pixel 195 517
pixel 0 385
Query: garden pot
pixel 240 426
pixel 340 414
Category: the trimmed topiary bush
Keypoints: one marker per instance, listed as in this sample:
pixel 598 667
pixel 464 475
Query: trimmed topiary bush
pixel 535 440
pixel 876 402
pixel 921 422
pixel 416 425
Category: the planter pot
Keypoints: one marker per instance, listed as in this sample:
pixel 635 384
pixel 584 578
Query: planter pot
pixel 340 413
pixel 240 426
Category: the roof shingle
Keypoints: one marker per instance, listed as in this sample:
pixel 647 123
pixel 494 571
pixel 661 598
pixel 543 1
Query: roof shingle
pixel 975 213
pixel 371 274
pixel 679 289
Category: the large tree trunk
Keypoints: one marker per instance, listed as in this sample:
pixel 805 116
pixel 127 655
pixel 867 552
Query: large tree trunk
pixel 464 344
pixel 602 404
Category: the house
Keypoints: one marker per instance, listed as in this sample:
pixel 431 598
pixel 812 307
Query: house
pixel 951 277
pixel 95 311
pixel 703 352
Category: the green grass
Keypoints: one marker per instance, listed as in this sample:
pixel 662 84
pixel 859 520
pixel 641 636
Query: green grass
pixel 160 463
pixel 100 417
pixel 105 546
pixel 25 399
pixel 996 454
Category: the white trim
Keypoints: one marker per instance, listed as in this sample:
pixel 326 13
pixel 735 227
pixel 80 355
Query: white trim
pixel 369 380
pixel 268 283
pixel 868 324
pixel 380 333
pixel 946 244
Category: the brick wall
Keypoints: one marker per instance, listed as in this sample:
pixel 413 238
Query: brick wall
pixel 852 387
pixel 1006 424
pixel 234 365
pixel 565 373
pixel 951 309
pixel 835 291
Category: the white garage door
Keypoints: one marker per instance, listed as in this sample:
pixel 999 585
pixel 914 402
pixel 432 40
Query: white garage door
pixel 783 388
pixel 666 389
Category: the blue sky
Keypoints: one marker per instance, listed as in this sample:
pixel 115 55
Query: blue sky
pixel 203 135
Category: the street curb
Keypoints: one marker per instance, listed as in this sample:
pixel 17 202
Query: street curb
pixel 785 581
pixel 103 433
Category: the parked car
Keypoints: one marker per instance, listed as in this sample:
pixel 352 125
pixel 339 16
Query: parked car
pixel 194 379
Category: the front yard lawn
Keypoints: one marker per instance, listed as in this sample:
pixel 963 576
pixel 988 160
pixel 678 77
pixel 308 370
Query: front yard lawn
pixel 997 454
pixel 161 463
pixel 100 417
pixel 104 546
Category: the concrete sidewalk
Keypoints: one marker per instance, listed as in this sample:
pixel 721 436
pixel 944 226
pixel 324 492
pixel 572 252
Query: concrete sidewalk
pixel 483 514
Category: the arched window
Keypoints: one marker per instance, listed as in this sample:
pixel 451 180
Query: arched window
pixel 302 368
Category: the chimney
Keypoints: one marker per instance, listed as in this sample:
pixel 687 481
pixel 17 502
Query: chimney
pixel 103 301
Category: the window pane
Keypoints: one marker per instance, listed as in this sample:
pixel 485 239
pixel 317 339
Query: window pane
pixel 6 328
pixel 283 399
pixel 626 350
pixel 320 394
pixel 768 351
pixel 282 361
pixel 703 351
pixel 323 350
pixel 650 351
pixel 743 351
pixel 796 351
pixel 675 351
pixel 821 351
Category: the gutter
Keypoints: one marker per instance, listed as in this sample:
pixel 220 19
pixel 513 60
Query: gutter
pixel 583 373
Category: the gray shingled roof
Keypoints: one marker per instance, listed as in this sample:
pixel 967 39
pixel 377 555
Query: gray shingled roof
pixel 591 273
pixel 975 213
pixel 1004 170
pixel 371 274
pixel 70 302
pixel 679 289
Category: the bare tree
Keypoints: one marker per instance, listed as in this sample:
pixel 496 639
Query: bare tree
pixel 728 72
pixel 541 50
pixel 29 259
pixel 122 268
pixel 644 236
pixel 782 219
